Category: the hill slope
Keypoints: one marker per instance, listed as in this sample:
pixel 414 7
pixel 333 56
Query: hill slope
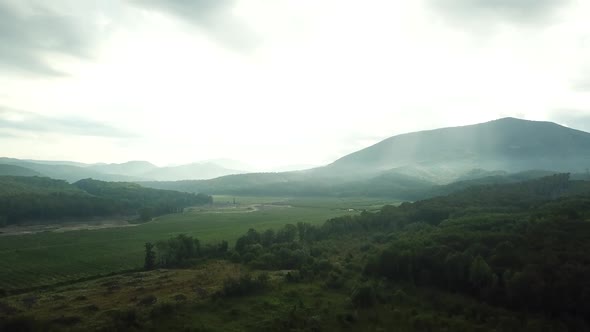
pixel 194 171
pixel 507 144
pixel 130 168
pixel 410 166
pixel 13 170
pixel 128 171
pixel 46 200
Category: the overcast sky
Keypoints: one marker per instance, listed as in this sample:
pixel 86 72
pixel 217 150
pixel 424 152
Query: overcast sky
pixel 273 82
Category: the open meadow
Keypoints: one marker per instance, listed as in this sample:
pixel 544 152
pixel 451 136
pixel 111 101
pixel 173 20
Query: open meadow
pixel 48 258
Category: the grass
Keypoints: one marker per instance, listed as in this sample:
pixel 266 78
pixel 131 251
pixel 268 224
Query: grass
pixel 183 299
pixel 42 259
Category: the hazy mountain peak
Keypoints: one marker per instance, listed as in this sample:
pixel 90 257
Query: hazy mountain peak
pixel 509 144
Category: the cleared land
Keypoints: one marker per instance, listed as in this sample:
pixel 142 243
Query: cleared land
pixel 49 258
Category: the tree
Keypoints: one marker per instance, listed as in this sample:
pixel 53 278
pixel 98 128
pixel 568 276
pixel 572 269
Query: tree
pixel 150 256
pixel 146 214
pixel 268 238
pixel 480 274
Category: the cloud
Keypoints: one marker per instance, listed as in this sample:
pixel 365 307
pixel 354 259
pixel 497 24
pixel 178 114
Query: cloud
pixel 27 122
pixel 213 16
pixel 32 30
pixel 496 11
pixel 582 83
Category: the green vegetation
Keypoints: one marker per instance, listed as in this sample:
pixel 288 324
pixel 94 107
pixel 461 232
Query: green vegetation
pixel 509 257
pixel 45 200
pixel 13 170
pixel 421 165
pixel 50 257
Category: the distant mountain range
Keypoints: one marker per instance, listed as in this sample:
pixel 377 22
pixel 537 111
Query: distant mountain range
pixel 416 164
pixel 129 171
pixel 442 155
pixel 404 166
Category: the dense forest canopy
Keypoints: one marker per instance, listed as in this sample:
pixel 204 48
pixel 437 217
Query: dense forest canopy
pixel 40 199
pixel 522 246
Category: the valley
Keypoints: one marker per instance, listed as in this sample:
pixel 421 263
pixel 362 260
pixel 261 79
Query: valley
pixel 44 258
pixel 465 237
pixel 294 166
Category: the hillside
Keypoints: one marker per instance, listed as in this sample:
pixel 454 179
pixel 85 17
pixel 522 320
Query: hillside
pixel 128 171
pixel 194 171
pixel 68 171
pixel 502 257
pixel 13 170
pixel 130 168
pixel 508 144
pixel 412 166
pixel 403 166
pixel 46 200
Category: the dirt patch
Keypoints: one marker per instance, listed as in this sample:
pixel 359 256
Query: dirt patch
pixel 64 227
pixel 241 208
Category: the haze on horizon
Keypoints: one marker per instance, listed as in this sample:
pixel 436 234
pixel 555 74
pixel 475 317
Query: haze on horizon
pixel 272 83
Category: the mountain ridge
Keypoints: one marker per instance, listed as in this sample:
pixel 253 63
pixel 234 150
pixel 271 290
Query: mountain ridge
pixel 508 144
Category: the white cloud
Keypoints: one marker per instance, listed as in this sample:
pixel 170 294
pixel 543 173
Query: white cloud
pixel 323 79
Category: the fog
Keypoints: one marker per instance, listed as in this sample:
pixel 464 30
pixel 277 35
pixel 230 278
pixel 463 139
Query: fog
pixel 274 84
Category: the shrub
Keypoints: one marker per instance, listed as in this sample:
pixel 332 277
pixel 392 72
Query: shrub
pixel 164 308
pixel 180 297
pixel 245 285
pixel 363 296
pixel 147 300
pixel 122 320
pixel 21 323
pixel 67 320
pixel 293 276
pixel 91 308
pixel 334 281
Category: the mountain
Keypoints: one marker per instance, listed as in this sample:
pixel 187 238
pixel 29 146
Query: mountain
pixel 232 165
pixel 295 167
pixel 64 171
pixel 14 170
pixel 402 165
pixel 411 166
pixel 507 144
pixel 130 168
pixel 194 171
pixel 129 171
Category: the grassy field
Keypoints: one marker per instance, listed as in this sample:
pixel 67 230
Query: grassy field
pixel 49 258
pixel 185 300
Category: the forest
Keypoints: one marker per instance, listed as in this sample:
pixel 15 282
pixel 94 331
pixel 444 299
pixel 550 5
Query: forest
pixel 45 200
pixel 500 257
pixel 520 247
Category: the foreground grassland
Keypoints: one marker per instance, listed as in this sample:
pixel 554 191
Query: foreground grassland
pixel 34 260
pixel 191 300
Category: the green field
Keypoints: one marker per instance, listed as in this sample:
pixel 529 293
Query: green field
pixel 48 258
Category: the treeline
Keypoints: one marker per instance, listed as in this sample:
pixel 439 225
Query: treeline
pixel 180 251
pixel 295 184
pixel 24 199
pixel 521 246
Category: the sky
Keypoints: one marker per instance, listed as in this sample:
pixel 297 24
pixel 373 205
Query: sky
pixel 277 82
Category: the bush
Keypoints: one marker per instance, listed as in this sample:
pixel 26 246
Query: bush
pixel 245 285
pixel 293 276
pixel 147 300
pixel 363 296
pixel 123 320
pixel 334 281
pixel 21 323
pixel 67 320
pixel 234 257
pixel 164 308
pixel 322 265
